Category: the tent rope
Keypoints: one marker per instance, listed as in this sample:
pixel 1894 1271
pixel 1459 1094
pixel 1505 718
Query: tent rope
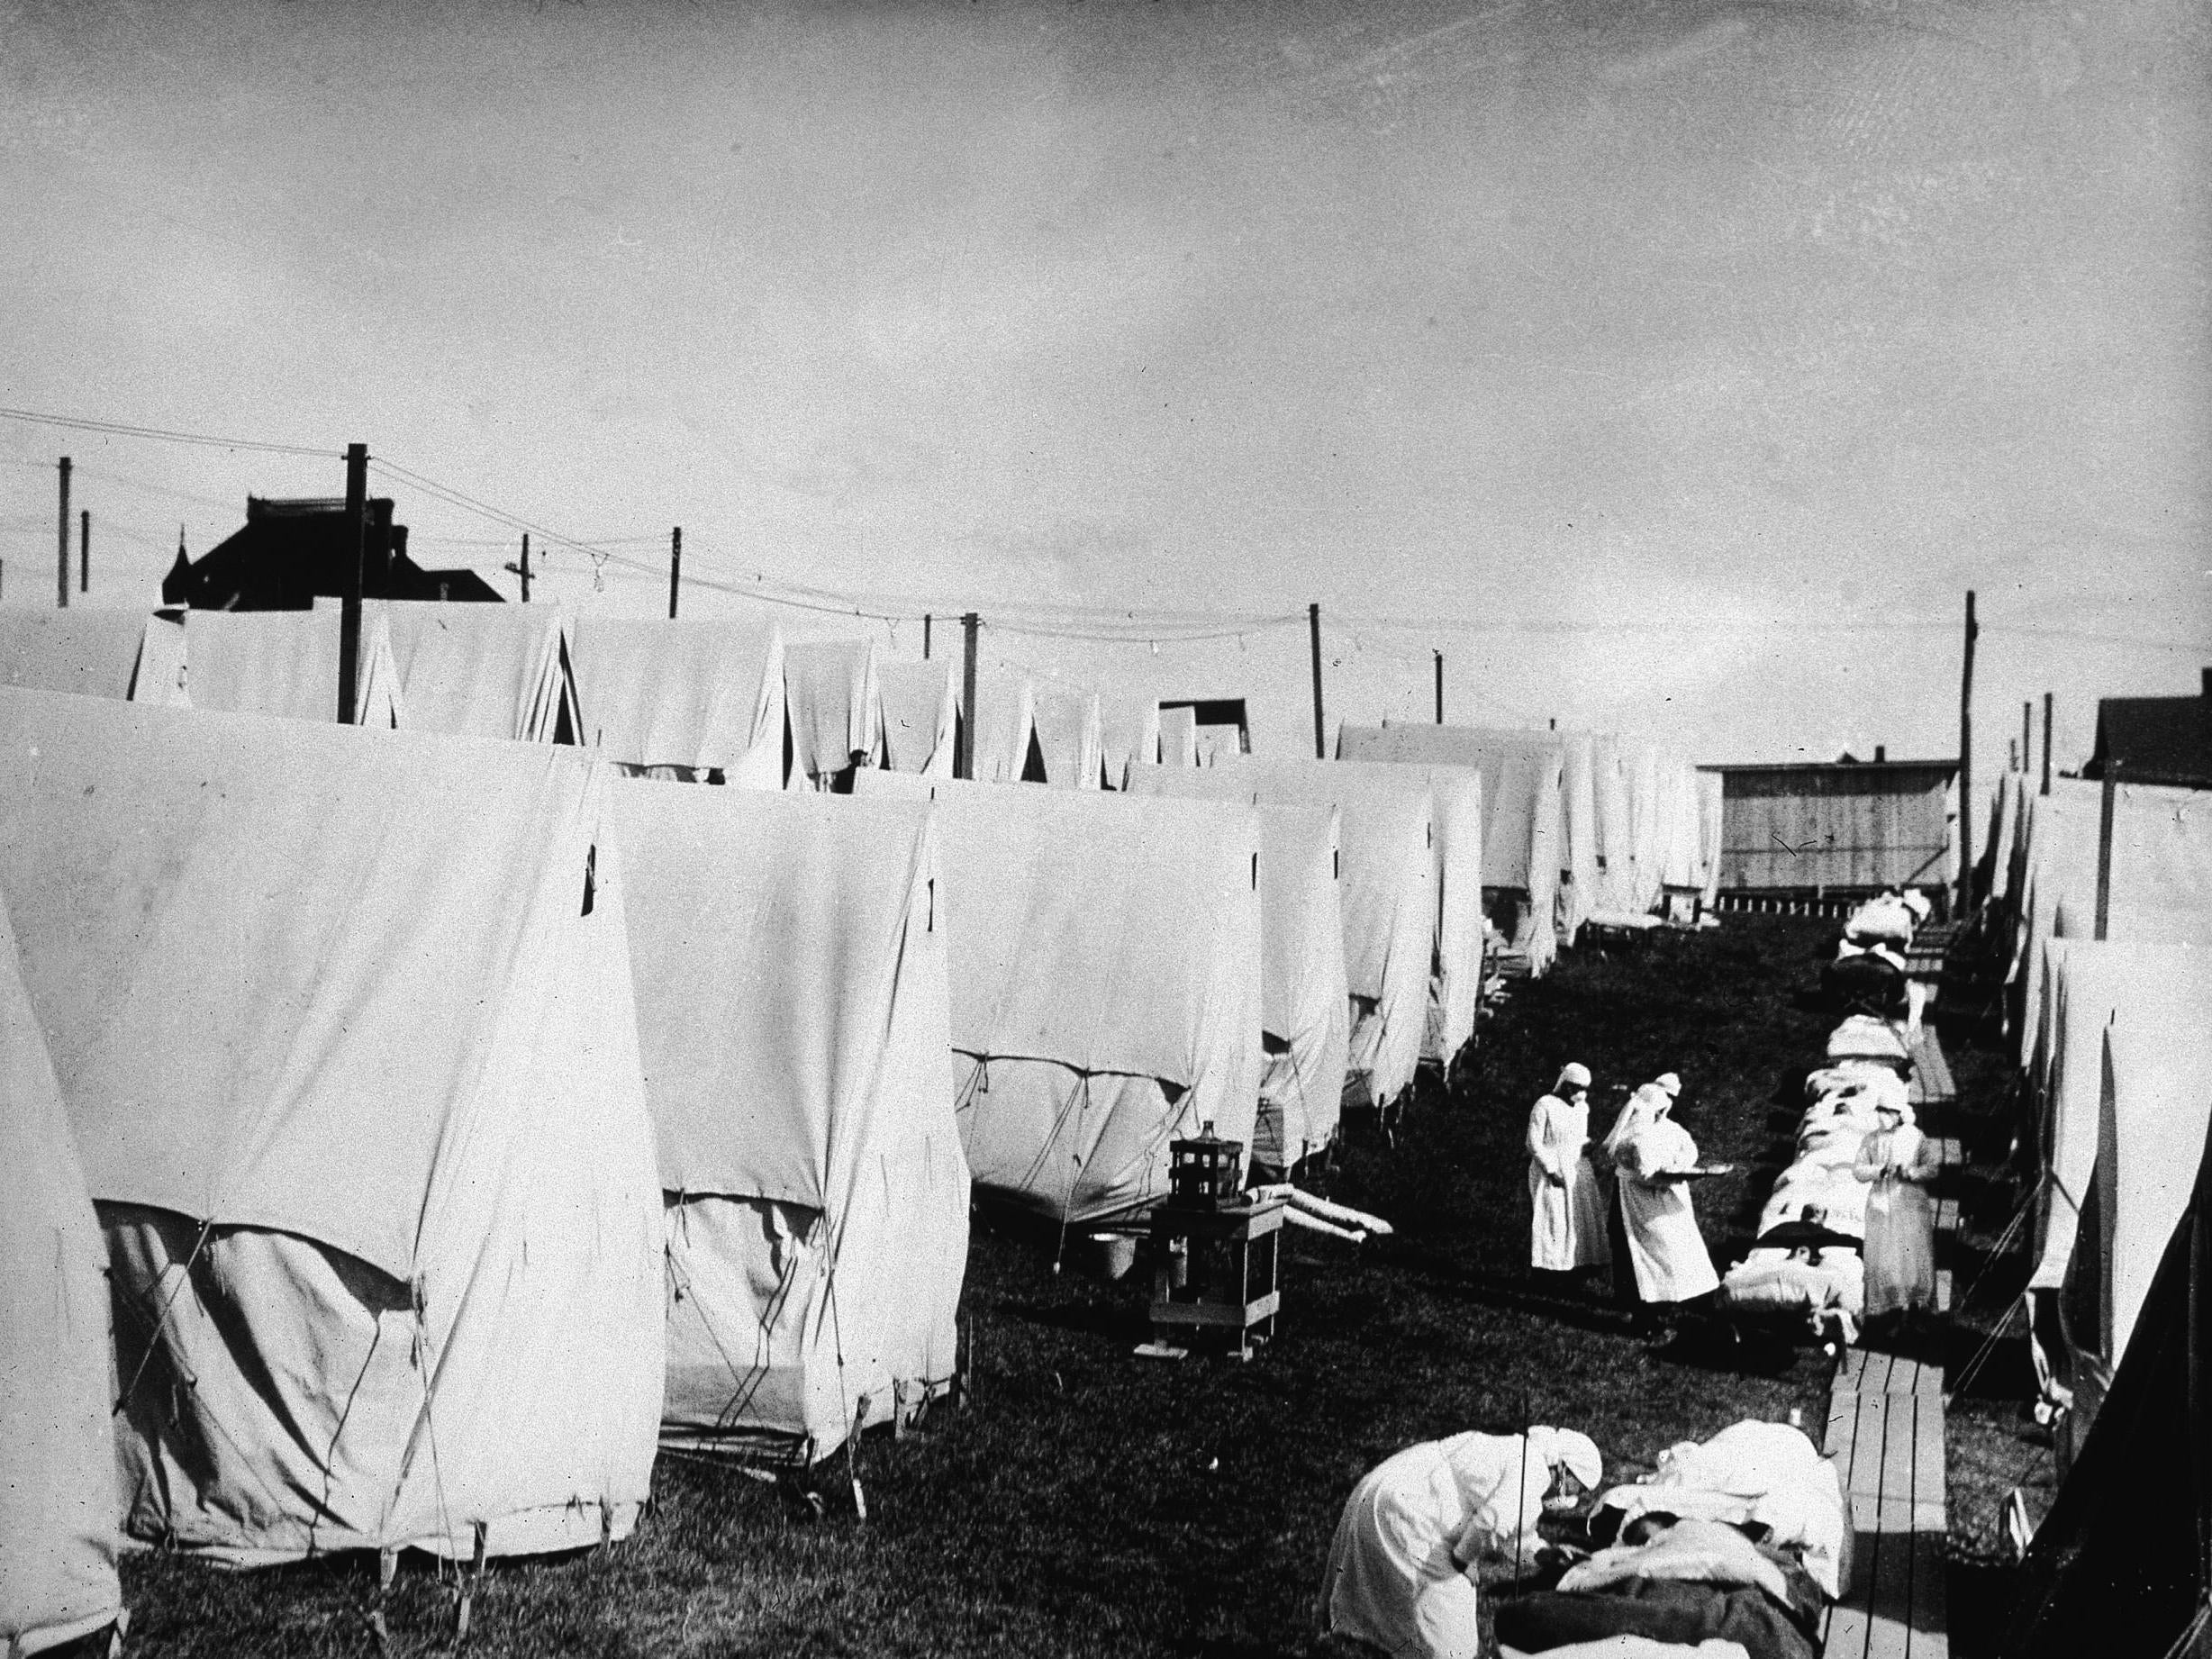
pixel 837 1333
pixel 429 1422
pixel 2012 1228
pixel 1082 1099
pixel 1988 1346
pixel 153 1341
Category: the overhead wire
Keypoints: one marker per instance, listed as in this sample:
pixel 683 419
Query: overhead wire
pixel 123 428
pixel 1056 619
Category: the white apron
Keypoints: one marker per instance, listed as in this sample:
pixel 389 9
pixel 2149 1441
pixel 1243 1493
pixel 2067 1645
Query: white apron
pixel 1900 1221
pixel 1566 1228
pixel 1664 1245
pixel 1397 1566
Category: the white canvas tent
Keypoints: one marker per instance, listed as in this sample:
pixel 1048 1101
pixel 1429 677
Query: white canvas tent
pixel 921 716
pixel 836 707
pixel 1129 730
pixel 344 1029
pixel 1710 788
pixel 1003 725
pixel 95 653
pixel 685 699
pixel 1105 954
pixel 793 1010
pixel 1524 820
pixel 2155 1108
pixel 58 1538
pixel 2160 876
pixel 1304 1004
pixel 1577 815
pixel 482 670
pixel 1070 735
pixel 1619 891
pixel 286 663
pixel 2153 994
pixel 1387 833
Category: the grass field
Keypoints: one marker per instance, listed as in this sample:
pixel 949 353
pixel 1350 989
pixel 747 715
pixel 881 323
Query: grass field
pixel 1088 1502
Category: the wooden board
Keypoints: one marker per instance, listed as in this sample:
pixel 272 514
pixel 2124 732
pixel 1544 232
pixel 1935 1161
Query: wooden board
pixel 1885 1430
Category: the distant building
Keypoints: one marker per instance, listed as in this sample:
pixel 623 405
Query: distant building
pixel 292 552
pixel 2156 740
pixel 1203 729
pixel 1835 829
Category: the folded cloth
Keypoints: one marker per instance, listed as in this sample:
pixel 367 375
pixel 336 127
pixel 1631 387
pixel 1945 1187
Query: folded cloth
pixel 1663 1610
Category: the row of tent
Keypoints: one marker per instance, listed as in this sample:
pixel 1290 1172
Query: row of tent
pixel 428 1087
pixel 1584 827
pixel 2116 1049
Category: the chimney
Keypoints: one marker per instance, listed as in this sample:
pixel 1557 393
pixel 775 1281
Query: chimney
pixel 1881 753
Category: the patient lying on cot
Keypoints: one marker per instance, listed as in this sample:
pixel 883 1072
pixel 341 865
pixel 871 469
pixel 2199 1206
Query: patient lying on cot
pixel 1675 1582
pixel 1741 1539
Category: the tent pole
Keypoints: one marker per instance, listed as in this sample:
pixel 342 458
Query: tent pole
pixel 1440 688
pixel 2104 848
pixel 2046 743
pixel 963 763
pixel 1966 764
pixel 526 567
pixel 1321 731
pixel 926 620
pixel 62 591
pixel 676 567
pixel 2027 734
pixel 84 551
pixel 350 578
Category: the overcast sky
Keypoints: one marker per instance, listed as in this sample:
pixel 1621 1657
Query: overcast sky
pixel 1673 368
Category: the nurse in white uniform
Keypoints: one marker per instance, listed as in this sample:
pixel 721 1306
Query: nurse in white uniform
pixel 1664 1246
pixel 1401 1567
pixel 1566 1228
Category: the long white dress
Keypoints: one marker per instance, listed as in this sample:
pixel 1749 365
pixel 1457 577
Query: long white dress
pixel 1566 1228
pixel 1668 1252
pixel 1412 1530
pixel 1900 1220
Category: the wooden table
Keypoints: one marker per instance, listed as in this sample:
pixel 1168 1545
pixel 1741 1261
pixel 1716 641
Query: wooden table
pixel 1214 1269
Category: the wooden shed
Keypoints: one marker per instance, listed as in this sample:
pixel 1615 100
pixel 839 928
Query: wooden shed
pixel 1836 829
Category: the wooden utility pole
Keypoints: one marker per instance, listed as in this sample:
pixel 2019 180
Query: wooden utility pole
pixel 1966 764
pixel 63 588
pixel 1320 731
pixel 526 567
pixel 84 550
pixel 2046 743
pixel 676 567
pixel 1440 688
pixel 2104 848
pixel 350 601
pixel 964 759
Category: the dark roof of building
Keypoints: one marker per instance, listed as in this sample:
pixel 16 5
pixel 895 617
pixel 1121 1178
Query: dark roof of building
pixel 2155 739
pixel 290 553
pixel 1846 764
